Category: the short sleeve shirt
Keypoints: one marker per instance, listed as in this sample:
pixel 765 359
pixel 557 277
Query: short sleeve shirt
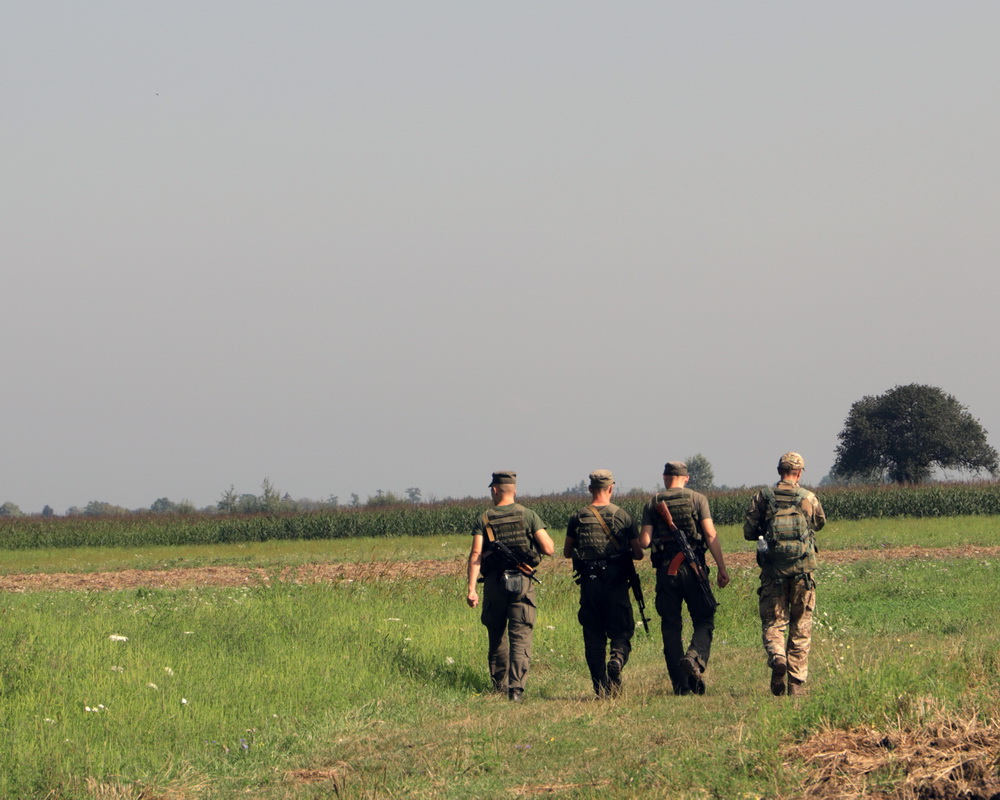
pixel 650 516
pixel 532 521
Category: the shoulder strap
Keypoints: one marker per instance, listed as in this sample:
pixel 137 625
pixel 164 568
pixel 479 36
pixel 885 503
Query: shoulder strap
pixel 607 531
pixel 489 528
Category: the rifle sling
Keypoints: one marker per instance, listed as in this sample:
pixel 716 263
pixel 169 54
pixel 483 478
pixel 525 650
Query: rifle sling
pixel 607 531
pixel 525 568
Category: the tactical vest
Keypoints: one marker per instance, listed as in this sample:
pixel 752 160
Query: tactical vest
pixel 510 528
pixel 682 510
pixel 791 544
pixel 591 540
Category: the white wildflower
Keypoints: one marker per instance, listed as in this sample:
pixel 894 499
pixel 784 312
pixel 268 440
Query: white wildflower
pixel 184 701
pixel 117 637
pixel 152 686
pixel 169 671
pixel 449 660
pixel 117 669
pixel 393 619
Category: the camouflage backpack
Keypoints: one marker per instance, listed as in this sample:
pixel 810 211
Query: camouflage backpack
pixel 790 542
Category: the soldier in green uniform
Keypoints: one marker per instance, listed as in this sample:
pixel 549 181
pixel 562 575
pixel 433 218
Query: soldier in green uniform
pixel 675 580
pixel 508 607
pixel 784 520
pixel 598 539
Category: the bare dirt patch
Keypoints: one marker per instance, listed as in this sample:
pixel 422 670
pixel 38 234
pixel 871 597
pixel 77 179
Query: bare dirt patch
pixel 187 577
pixel 381 571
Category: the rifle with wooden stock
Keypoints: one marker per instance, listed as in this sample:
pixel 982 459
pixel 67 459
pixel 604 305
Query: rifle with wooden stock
pixel 689 555
pixel 513 561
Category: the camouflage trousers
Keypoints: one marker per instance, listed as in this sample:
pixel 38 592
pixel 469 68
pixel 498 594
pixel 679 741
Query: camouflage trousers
pixel 786 619
pixel 509 618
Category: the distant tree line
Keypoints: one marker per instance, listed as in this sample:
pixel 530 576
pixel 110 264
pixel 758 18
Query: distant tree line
pixel 901 436
pixel 268 501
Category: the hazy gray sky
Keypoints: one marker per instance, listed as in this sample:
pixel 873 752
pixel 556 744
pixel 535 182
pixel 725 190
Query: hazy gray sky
pixel 361 246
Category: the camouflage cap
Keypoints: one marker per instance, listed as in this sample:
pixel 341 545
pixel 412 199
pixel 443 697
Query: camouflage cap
pixel 675 468
pixel 504 477
pixel 600 478
pixel 791 461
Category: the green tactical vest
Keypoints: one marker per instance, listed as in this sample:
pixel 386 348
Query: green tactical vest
pixel 682 511
pixel 591 540
pixel 510 528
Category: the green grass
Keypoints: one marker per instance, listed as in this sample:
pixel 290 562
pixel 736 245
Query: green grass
pixel 277 553
pixel 375 689
pixel 270 554
pixel 874 534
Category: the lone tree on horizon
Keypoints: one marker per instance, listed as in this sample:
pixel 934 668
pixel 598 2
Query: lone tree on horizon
pixel 700 472
pixel 903 434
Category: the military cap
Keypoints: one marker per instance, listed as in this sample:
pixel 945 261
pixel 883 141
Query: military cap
pixel 600 478
pixel 675 468
pixel 504 477
pixel 791 461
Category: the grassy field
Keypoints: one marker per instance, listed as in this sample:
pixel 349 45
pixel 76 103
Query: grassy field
pixel 375 689
pixel 865 534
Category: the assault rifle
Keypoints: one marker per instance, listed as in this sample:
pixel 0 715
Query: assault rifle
pixel 629 573
pixel 692 560
pixel 513 561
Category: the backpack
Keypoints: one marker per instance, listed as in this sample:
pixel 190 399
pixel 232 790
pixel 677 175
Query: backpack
pixel 790 542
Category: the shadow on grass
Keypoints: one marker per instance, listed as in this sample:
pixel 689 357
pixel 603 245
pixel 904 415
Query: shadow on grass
pixel 436 669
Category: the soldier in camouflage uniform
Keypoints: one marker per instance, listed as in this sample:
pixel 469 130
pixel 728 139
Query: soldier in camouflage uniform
pixel 508 610
pixel 676 582
pixel 598 539
pixel 786 517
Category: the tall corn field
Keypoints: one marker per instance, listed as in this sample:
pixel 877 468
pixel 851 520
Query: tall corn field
pixel 141 530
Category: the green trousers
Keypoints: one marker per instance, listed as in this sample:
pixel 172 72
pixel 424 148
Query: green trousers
pixel 606 617
pixel 671 592
pixel 509 618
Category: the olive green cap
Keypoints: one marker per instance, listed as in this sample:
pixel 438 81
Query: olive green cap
pixel 600 478
pixel 675 468
pixel 504 477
